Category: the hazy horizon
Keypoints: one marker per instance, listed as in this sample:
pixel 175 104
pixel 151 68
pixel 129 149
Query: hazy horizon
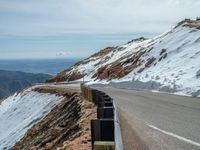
pixel 46 66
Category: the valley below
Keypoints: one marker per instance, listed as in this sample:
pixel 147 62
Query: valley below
pixel 15 81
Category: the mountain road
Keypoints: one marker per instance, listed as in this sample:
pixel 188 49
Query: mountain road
pixel 157 121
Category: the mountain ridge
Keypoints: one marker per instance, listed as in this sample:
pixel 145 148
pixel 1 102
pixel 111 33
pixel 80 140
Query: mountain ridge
pixel 169 62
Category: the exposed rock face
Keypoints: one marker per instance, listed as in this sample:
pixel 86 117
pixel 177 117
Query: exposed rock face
pixel 150 61
pixel 67 122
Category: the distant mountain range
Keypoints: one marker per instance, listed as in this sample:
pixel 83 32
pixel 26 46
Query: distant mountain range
pixel 12 81
pixel 169 62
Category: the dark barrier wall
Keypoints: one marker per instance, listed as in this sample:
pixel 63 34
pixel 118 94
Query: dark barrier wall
pixel 105 130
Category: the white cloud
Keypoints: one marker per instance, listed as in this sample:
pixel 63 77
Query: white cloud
pixel 65 53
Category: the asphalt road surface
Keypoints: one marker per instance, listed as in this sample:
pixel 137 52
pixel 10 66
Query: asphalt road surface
pixel 157 121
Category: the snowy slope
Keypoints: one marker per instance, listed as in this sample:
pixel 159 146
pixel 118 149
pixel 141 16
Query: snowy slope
pixel 20 111
pixel 169 62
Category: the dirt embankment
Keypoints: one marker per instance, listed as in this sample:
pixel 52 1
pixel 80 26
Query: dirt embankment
pixel 66 127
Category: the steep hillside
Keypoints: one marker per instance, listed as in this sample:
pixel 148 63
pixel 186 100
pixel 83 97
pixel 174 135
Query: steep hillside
pixel 20 111
pixel 12 81
pixel 169 62
pixel 45 117
pixel 66 127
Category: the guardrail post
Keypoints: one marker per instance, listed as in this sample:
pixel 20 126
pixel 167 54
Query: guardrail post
pixel 102 131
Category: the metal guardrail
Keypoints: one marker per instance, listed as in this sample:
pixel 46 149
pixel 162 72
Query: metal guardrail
pixel 105 130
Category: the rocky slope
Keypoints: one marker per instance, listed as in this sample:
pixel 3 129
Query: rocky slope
pixel 46 118
pixel 12 81
pixel 169 62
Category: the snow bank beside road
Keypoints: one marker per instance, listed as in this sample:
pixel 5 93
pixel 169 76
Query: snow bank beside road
pixel 149 86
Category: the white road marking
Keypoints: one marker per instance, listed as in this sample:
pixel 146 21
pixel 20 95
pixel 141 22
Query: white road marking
pixel 174 135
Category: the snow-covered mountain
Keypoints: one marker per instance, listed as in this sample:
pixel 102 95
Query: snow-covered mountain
pixel 20 111
pixel 169 62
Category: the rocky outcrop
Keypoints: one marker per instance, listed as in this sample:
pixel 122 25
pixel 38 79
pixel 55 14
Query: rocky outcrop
pixel 68 122
pixel 137 40
pixel 150 61
pixel 190 23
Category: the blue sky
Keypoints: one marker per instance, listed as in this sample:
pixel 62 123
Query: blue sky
pixel 77 28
